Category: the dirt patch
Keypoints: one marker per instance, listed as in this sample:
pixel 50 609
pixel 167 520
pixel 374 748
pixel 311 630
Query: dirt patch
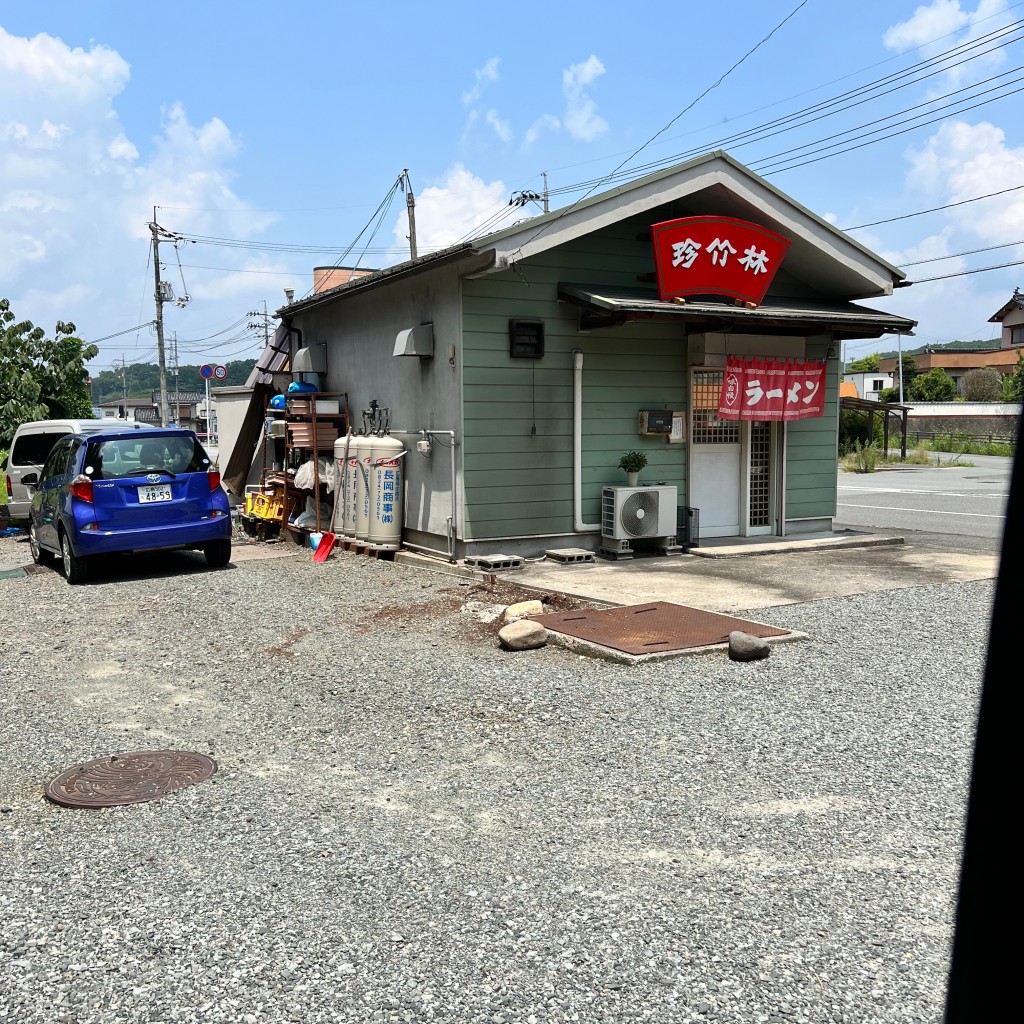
pixel 281 650
pixel 501 591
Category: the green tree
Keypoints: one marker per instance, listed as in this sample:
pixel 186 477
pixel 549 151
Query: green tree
pixel 1013 383
pixel 934 386
pixel 40 377
pixel 910 371
pixel 983 385
pixel 866 364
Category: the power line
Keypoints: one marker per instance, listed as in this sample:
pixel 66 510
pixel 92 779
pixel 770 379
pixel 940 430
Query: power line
pixel 967 252
pixel 964 273
pixel 934 209
pixel 882 138
pixel 758 132
pixel 688 107
pixel 128 330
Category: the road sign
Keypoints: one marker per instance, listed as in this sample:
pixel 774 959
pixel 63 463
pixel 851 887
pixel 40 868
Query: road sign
pixel 206 371
pixel 220 372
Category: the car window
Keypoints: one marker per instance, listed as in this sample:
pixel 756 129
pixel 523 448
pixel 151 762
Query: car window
pixel 109 460
pixel 57 463
pixel 33 449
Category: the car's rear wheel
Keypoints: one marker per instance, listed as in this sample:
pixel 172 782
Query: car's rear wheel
pixel 218 553
pixel 76 569
pixel 39 554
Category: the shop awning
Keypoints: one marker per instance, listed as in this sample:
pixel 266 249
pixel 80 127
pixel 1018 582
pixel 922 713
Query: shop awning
pixel 603 306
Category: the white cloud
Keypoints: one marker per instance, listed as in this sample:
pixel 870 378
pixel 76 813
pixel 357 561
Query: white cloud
pixel 76 195
pixel 581 118
pixel 44 67
pixel 485 75
pixel 962 161
pixel 959 161
pixel 544 123
pixel 925 25
pixel 501 126
pixel 463 206
pixel 938 27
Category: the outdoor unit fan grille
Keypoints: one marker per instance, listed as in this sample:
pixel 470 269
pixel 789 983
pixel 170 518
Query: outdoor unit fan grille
pixel 638 514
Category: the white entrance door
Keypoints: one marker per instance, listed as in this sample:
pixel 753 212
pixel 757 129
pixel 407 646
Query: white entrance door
pixel 715 459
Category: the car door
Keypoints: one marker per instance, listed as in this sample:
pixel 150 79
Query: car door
pixel 46 504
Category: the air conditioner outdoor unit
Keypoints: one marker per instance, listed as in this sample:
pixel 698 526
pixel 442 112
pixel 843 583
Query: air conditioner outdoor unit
pixel 637 513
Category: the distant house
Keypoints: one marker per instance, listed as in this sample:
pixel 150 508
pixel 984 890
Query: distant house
pixel 869 385
pixel 1011 317
pixel 959 364
pixel 140 410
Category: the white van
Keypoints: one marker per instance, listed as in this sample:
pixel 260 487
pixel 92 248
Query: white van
pixel 30 447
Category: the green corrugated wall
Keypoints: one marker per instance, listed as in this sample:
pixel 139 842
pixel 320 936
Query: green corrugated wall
pixel 812 470
pixel 518 482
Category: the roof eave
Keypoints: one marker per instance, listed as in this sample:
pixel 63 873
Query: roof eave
pixel 409 268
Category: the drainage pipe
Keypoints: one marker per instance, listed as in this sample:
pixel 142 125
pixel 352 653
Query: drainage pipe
pixel 452 520
pixel 577 448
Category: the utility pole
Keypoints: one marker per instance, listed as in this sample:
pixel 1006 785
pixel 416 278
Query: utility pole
pixel 899 347
pixel 156 231
pixel 547 209
pixel 177 393
pixel 124 386
pixel 410 208
pixel 262 320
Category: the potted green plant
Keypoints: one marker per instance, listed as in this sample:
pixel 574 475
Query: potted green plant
pixel 632 462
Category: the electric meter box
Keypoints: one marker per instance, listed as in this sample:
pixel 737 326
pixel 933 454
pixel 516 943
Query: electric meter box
pixel 655 422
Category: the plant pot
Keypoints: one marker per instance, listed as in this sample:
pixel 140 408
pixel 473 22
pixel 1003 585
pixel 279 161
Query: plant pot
pixel 632 479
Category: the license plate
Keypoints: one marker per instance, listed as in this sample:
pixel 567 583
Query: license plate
pixel 156 492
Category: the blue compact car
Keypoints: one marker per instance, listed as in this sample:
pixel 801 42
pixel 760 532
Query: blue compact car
pixel 125 490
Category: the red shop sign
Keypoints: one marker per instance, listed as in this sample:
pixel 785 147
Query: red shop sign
pixel 762 389
pixel 716 256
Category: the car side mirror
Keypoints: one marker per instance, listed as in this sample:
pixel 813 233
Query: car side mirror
pixel 30 479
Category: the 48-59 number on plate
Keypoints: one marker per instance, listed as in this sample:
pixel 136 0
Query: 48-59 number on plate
pixel 158 492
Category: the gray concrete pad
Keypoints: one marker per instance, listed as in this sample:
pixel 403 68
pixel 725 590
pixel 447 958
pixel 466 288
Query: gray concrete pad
pixel 727 577
pixel 790 572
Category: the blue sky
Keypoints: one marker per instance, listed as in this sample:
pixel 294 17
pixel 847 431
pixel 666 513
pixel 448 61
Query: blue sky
pixel 288 127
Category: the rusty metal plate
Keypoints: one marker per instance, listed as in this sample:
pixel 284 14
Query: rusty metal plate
pixel 129 778
pixel 652 628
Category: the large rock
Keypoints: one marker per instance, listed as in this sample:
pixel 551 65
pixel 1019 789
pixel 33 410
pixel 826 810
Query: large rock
pixel 744 647
pixel 522 610
pixel 523 635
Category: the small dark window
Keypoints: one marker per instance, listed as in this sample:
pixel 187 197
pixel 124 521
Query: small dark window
pixel 1017 335
pixel 525 339
pixel 33 449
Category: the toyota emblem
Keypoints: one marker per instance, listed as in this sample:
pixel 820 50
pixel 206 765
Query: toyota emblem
pixel 153 478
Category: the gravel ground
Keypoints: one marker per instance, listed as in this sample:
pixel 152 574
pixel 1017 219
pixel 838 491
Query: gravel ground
pixel 410 825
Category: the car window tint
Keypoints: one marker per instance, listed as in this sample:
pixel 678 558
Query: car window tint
pixel 33 449
pixel 56 463
pixel 186 455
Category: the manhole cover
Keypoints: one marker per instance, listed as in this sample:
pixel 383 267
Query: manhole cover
pixel 129 778
pixel 652 628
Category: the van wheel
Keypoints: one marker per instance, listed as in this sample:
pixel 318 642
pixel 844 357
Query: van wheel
pixel 39 554
pixel 75 569
pixel 218 553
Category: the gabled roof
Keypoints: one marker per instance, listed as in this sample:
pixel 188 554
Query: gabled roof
pixel 1016 302
pixel 821 255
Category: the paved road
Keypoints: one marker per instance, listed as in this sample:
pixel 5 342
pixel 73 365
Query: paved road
pixel 961 505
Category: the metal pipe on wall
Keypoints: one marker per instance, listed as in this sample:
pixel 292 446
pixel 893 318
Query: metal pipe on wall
pixel 577 448
pixel 452 519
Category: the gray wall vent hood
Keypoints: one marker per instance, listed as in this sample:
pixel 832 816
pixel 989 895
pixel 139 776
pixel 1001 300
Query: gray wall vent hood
pixel 416 341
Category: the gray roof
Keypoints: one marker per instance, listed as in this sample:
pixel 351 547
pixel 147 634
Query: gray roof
pixel 607 306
